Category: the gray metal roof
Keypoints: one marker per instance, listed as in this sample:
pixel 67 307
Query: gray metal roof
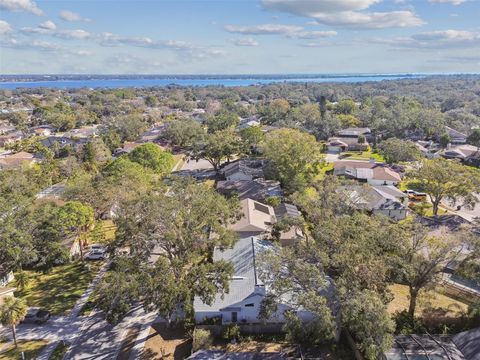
pixel 244 280
pixel 468 342
pixel 221 355
pixel 424 347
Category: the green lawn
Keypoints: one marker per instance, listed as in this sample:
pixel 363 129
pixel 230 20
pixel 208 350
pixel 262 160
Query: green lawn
pixel 59 351
pixel 31 350
pixel 58 290
pixel 179 161
pixel 427 299
pixel 359 155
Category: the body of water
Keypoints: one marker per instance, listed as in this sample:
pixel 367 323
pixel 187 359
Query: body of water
pixel 195 81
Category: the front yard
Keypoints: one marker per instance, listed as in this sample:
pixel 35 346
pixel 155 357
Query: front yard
pixel 58 290
pixel 31 350
pixel 426 302
pixel 167 343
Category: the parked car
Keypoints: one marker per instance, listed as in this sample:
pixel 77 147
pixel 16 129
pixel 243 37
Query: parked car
pixel 97 248
pixel 415 195
pixel 95 255
pixel 36 316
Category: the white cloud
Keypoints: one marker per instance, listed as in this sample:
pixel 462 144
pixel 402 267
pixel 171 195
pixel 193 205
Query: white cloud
pixel 245 42
pixel 48 25
pixel 452 2
pixel 309 8
pixel 448 36
pixel 12 42
pixel 21 5
pixel 82 52
pixel 311 34
pixel 264 29
pixel 73 34
pixel 5 27
pixel 370 20
pixel 290 31
pixel 71 16
pixel 346 13
pixel 440 39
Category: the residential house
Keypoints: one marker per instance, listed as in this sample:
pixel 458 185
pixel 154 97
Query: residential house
pixel 367 171
pixel 6 291
pixel 17 160
pixel 84 132
pixel 294 234
pixel 53 192
pixel 429 149
pixel 5 277
pixel 456 137
pixel 460 152
pixel 247 290
pixel 257 189
pixel 354 132
pixel 42 130
pixel 153 134
pixel 60 141
pixel 340 144
pixel 257 218
pixel 126 149
pixel 6 129
pixel 243 169
pixel 11 137
pixel 384 200
pixel 350 139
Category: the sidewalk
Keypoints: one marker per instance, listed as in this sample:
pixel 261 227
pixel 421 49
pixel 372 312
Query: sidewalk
pixel 84 298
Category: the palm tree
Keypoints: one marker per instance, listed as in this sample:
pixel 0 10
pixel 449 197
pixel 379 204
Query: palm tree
pixel 22 280
pixel 12 311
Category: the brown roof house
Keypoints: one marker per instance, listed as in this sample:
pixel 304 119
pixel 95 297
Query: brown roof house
pixel 257 218
pixel 17 160
pixel 367 171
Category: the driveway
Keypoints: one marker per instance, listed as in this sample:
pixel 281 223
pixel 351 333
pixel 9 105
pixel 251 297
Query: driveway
pixel 193 165
pixel 331 157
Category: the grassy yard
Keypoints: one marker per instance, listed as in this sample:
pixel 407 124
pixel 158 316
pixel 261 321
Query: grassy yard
pixel 362 155
pixel 107 232
pixel 58 290
pixel 179 160
pixel 165 343
pixel 427 301
pixel 31 350
pixel 59 351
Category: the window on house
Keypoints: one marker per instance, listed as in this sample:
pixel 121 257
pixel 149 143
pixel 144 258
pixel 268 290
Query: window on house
pixel 234 316
pixel 249 305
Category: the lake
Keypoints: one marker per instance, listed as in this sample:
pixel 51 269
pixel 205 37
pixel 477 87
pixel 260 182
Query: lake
pixel 198 81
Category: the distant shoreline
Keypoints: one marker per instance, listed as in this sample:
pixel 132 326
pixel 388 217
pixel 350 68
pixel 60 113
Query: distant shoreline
pixel 12 82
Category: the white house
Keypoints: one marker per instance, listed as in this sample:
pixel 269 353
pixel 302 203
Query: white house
pixel 367 171
pixel 380 200
pixel 242 303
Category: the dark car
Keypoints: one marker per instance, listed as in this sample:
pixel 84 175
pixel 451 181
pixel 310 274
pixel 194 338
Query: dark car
pixel 36 316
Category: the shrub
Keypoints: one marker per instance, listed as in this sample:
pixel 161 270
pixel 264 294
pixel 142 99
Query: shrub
pixel 231 332
pixel 202 339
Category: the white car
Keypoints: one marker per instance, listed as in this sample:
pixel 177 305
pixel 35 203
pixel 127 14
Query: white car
pixel 97 248
pixel 95 255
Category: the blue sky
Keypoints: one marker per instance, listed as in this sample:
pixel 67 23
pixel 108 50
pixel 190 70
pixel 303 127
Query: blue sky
pixel 239 36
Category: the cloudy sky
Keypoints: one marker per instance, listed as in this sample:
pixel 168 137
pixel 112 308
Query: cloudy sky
pixel 239 36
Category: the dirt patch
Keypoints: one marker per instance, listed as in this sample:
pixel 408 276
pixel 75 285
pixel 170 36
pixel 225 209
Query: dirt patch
pixel 128 342
pixel 167 343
